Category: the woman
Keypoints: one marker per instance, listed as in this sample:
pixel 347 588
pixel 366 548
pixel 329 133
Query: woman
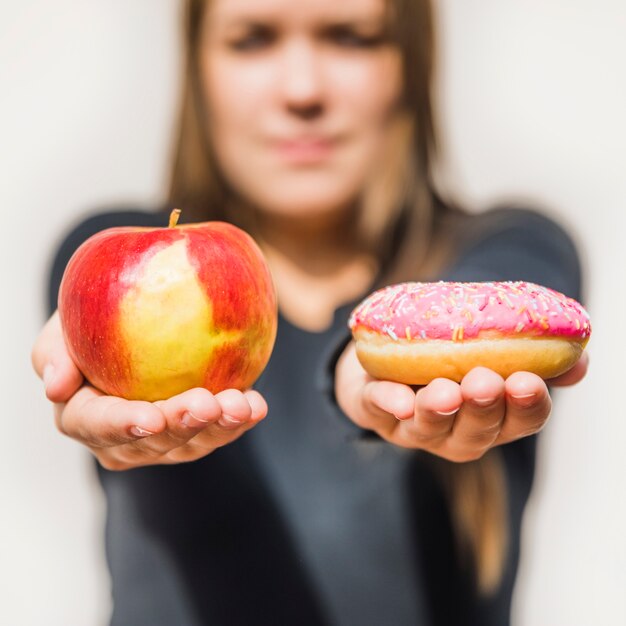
pixel 311 125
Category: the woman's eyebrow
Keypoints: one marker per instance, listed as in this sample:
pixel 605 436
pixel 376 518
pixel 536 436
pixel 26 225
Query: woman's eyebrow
pixel 233 24
pixel 356 23
pixel 247 23
pixel 225 18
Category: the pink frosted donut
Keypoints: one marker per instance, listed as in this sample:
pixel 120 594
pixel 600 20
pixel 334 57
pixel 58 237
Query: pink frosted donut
pixel 415 332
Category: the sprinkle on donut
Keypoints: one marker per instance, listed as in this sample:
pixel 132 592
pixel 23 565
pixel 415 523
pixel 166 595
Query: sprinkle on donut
pixel 461 311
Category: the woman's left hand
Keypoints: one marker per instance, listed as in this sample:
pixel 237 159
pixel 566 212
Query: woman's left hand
pixel 456 421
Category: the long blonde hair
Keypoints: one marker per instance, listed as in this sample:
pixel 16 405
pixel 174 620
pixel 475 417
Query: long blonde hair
pixel 401 200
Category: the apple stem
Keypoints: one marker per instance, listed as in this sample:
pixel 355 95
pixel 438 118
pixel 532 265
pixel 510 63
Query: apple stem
pixel 174 215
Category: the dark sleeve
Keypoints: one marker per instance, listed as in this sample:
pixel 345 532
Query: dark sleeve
pixel 517 244
pixel 85 229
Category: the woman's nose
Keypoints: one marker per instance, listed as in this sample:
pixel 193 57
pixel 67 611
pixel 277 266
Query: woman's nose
pixel 302 88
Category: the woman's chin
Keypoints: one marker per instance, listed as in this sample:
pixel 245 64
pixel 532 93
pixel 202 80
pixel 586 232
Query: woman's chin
pixel 303 198
pixel 306 208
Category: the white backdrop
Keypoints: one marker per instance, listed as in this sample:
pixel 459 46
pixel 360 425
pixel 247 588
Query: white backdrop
pixel 534 95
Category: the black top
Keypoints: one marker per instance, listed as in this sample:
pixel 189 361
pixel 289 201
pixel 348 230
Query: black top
pixel 304 520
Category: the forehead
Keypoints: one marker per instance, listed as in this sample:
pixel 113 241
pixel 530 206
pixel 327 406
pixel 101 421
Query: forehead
pixel 227 11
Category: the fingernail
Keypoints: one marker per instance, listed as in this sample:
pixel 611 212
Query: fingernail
pixel 48 375
pixel 484 401
pixel 140 432
pixel 228 421
pixel 525 399
pixel 191 421
pixel 447 413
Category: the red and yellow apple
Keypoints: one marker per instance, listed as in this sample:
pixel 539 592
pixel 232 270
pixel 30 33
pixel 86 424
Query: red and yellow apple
pixel 148 313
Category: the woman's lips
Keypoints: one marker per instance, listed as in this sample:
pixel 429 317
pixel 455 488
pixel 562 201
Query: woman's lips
pixel 305 151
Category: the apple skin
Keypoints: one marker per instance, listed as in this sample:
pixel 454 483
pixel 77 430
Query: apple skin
pixel 148 313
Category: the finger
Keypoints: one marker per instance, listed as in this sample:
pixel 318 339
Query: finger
pixel 380 405
pixel 360 396
pixel 235 408
pixel 371 404
pixel 194 428
pixel 528 406
pixel 245 410
pixel 53 364
pixel 186 415
pixel 258 405
pixel 436 406
pixel 189 411
pixel 217 435
pixel 479 420
pixel 103 421
pixel 356 394
pixel 574 375
pixel 389 398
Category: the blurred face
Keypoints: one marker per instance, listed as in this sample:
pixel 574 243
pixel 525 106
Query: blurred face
pixel 300 96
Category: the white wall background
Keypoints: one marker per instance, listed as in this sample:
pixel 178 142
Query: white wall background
pixel 534 95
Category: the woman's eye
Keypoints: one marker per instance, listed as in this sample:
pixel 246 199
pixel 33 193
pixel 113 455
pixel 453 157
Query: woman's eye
pixel 347 37
pixel 256 38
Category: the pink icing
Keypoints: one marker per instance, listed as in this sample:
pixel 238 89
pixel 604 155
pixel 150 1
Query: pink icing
pixel 457 311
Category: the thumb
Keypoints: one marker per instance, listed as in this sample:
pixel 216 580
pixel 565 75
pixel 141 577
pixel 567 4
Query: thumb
pixel 53 363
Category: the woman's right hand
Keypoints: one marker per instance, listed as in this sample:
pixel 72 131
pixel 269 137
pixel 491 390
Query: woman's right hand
pixel 123 434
